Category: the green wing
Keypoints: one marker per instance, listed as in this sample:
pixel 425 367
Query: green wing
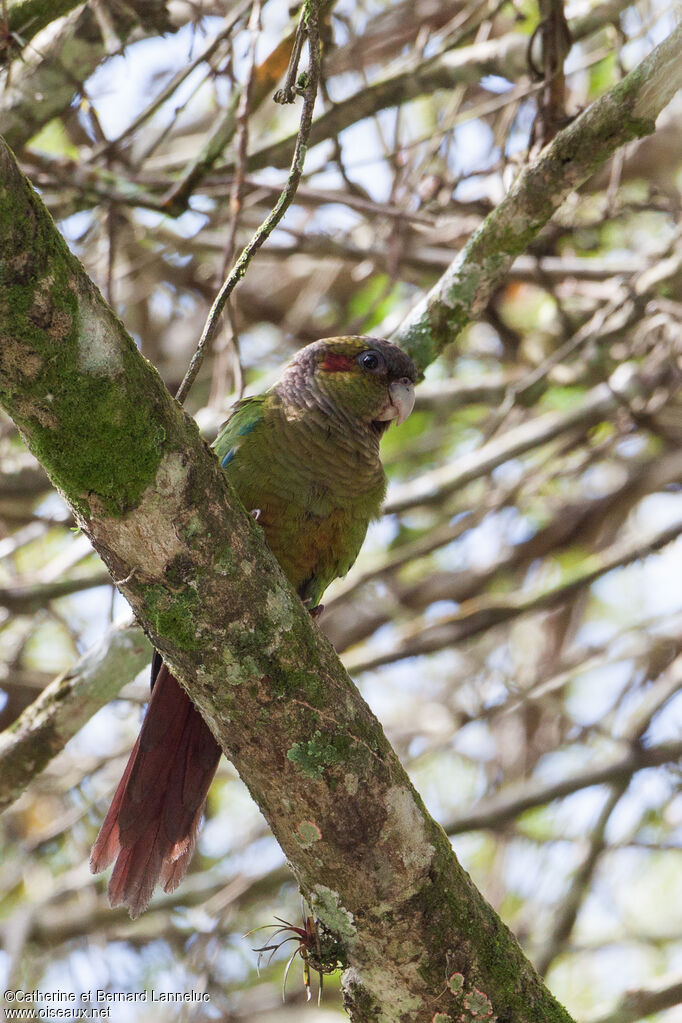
pixel 244 418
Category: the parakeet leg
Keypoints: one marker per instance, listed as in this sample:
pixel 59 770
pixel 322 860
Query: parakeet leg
pixel 314 611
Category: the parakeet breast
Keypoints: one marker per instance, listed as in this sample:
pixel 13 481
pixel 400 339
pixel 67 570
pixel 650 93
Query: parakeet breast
pixel 314 490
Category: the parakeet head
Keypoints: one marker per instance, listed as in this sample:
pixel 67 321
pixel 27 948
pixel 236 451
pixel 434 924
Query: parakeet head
pixel 362 380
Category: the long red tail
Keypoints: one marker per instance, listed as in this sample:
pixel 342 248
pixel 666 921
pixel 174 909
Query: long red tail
pixel 153 819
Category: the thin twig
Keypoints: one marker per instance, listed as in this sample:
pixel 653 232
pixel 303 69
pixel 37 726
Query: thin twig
pixel 287 94
pixel 236 199
pixel 278 211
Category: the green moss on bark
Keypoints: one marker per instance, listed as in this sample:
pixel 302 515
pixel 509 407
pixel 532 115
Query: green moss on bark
pixel 173 615
pixel 61 369
pixel 320 751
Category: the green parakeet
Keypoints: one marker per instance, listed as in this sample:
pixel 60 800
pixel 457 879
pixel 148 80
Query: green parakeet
pixel 304 459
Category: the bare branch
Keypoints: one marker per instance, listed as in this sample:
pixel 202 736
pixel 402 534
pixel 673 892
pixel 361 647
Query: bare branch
pixel 45 82
pixel 26 598
pixel 629 381
pixel 481 613
pixel 411 78
pixel 498 811
pixel 66 705
pixel 643 1002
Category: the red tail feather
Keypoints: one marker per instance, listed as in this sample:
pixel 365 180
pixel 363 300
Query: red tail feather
pixel 154 816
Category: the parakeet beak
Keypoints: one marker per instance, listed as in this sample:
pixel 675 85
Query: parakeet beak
pixel 399 405
pixel 402 399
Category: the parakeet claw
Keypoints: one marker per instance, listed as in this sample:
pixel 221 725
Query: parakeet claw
pixel 256 512
pixel 314 612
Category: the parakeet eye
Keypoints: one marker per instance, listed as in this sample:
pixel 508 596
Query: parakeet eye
pixel 373 362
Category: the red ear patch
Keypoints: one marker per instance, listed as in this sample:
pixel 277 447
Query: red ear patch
pixel 334 363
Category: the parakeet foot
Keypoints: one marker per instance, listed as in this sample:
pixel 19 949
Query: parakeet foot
pixel 314 612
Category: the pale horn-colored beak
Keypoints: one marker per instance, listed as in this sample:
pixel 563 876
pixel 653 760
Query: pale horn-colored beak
pixel 402 398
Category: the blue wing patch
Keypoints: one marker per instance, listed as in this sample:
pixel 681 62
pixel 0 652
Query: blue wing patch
pixel 244 418
pixel 247 428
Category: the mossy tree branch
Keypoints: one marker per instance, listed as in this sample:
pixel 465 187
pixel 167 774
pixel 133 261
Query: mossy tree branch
pixel 416 935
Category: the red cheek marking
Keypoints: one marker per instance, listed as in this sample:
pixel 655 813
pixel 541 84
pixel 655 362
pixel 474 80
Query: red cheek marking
pixel 337 363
